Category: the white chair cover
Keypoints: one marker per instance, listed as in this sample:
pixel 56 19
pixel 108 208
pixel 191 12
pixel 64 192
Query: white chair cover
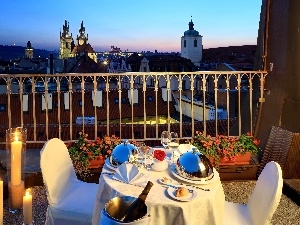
pixel 262 202
pixel 106 220
pixel 71 201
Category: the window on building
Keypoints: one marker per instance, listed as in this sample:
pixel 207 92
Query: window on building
pixel 184 43
pixel 124 101
pixel 145 69
pixel 80 103
pixel 150 99
pixel 137 134
pixel 116 100
pixel 2 108
pixel 195 43
pixel 40 134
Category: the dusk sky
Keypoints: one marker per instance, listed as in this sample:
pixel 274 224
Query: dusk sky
pixel 133 25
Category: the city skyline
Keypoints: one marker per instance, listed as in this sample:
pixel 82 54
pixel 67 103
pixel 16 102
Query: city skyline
pixel 130 25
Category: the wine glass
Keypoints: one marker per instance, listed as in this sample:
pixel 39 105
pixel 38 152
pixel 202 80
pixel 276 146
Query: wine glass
pixel 140 152
pixel 165 138
pixel 148 157
pixel 173 144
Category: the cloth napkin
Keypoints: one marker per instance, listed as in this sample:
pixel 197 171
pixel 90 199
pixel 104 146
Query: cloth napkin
pixel 129 173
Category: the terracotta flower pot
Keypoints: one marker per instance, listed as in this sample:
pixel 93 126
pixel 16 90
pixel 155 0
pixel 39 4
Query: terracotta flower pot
pixel 241 159
pixel 98 162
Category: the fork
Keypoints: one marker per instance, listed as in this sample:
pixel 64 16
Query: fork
pixel 174 186
pixel 203 189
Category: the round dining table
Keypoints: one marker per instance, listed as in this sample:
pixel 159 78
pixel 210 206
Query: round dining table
pixel 205 207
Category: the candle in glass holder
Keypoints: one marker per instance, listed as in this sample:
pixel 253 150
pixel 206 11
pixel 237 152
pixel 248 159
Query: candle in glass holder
pixel 27 208
pixel 16 148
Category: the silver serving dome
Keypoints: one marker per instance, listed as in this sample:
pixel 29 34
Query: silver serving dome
pixel 121 153
pixel 193 165
pixel 116 207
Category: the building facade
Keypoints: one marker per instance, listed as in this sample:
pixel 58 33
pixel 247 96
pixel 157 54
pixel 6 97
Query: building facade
pixel 29 51
pixel 67 47
pixel 191 45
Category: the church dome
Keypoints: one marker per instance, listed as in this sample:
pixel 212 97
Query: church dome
pixel 191 31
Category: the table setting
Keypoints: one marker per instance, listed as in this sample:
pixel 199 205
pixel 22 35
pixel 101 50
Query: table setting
pixel 179 194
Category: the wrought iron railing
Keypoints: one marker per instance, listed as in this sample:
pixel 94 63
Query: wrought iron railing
pixel 144 99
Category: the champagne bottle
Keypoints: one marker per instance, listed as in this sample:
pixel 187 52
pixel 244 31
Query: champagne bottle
pixel 135 210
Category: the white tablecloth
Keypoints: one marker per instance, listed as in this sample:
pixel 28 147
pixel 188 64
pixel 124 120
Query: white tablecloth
pixel 207 208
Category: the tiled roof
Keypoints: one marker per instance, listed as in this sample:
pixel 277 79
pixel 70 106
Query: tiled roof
pixel 87 65
pixel 83 48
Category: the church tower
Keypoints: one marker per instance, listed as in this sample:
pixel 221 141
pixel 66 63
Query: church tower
pixel 82 39
pixel 66 42
pixel 191 45
pixel 29 51
pixel 83 47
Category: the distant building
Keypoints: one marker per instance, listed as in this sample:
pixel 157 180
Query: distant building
pixel 191 45
pixel 69 50
pixel 29 51
pixel 66 42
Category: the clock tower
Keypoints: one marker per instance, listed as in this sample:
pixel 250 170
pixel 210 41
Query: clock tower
pixel 66 42
pixel 29 51
pixel 82 39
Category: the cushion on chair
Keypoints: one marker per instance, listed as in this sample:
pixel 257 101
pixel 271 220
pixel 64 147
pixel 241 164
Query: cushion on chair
pixel 237 214
pixel 78 204
pixel 266 194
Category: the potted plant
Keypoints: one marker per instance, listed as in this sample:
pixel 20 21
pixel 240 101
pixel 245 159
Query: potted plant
pixel 225 149
pixel 86 154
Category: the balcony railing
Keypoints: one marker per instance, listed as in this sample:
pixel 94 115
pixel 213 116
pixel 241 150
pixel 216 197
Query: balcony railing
pixel 130 105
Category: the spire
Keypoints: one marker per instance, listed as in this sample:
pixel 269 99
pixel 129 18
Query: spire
pixel 191 24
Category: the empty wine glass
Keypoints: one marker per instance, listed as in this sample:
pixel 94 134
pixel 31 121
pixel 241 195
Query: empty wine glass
pixel 165 138
pixel 173 144
pixel 148 157
pixel 140 153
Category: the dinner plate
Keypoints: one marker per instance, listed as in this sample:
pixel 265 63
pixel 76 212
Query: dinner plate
pixel 161 181
pixel 109 165
pixel 172 192
pixel 212 180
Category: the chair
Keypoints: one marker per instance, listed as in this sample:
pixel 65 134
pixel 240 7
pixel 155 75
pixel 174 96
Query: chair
pixel 262 202
pixel 70 200
pixel 106 220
